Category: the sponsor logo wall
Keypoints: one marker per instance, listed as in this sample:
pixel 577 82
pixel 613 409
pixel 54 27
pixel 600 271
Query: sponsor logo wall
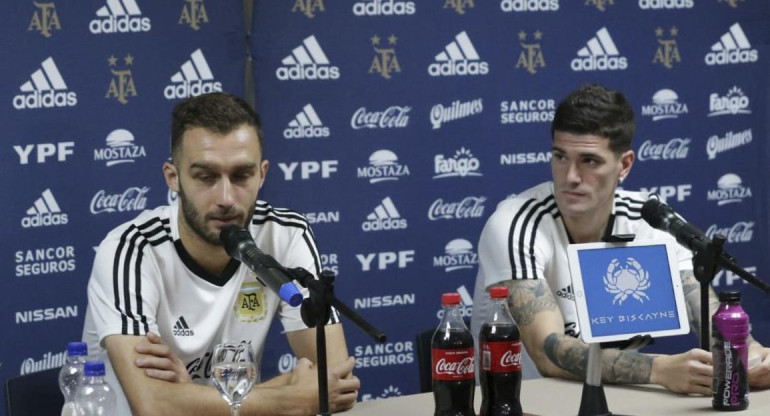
pixel 395 126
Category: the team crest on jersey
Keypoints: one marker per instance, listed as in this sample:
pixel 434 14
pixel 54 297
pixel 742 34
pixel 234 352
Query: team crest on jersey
pixel 250 304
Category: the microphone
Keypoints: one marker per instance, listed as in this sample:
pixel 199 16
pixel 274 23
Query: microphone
pixel 663 217
pixel 240 245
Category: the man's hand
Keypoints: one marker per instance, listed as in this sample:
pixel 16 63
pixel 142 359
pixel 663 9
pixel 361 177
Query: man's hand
pixel 159 361
pixel 343 385
pixel 759 375
pixel 690 372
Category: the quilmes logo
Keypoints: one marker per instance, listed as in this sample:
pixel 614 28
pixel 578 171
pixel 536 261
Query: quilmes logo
pixel 740 232
pixel 458 255
pixel 384 217
pixel 734 102
pixel 120 149
pixel 440 114
pixel 732 48
pixel 122 82
pixel 531 56
pixel 729 190
pixel 599 54
pixel 676 148
pixel 44 19
pixel 132 199
pixel 466 303
pixel 48 361
pixel 666 4
pixel 384 8
pixel 193 14
pixel 458 58
pixel 193 79
pixel 601 5
pixel 306 124
pixel 468 207
pixel 308 7
pixel 395 116
pixel 181 329
pixel 44 212
pixel 529 5
pixel 459 6
pixel 667 53
pixel 385 61
pixel 665 105
pixel 527 111
pixel 716 145
pixel 383 166
pixel 461 164
pixel 45 89
pixel 624 280
pixel 119 16
pixel 307 62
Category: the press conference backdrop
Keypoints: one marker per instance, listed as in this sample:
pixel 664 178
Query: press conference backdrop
pixel 396 126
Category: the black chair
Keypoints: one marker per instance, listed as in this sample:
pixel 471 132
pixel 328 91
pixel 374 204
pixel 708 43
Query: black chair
pixel 34 394
pixel 423 359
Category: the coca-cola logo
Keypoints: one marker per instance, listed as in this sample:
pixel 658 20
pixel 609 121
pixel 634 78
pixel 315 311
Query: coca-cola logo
pixel 740 232
pixel 676 148
pixel 463 367
pixel 393 117
pixel 511 359
pixel 132 199
pixel 469 207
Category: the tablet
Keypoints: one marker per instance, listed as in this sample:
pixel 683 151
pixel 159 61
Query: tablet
pixel 627 289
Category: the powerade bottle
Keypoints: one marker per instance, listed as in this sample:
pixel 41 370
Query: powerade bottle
pixel 730 352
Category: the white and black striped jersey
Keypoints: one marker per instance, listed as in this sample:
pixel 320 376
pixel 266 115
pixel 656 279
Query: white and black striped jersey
pixel 144 280
pixel 525 238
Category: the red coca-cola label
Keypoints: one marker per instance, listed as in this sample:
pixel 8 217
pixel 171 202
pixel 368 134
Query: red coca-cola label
pixel 453 365
pixel 501 357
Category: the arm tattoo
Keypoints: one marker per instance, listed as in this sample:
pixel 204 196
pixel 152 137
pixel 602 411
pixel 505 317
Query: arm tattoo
pixel 691 289
pixel 527 299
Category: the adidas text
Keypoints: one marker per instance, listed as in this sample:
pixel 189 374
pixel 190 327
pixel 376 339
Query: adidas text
pixel 529 5
pixel 734 56
pixel 44 220
pixel 119 24
pixel 307 72
pixel 382 224
pixel 183 332
pixel 384 8
pixel 305 131
pixel 600 63
pixel 45 99
pixel 458 68
pixel 191 89
pixel 666 4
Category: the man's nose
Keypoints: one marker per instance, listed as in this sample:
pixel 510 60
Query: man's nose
pixel 225 194
pixel 573 173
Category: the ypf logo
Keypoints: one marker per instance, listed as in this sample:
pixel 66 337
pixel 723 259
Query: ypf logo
pixel 458 58
pixel 383 166
pixel 119 16
pixel 665 105
pixel 306 124
pixel 531 56
pixel 385 260
pixel 193 14
pixel 629 279
pixel 122 82
pixel 44 151
pixel 307 62
pixel 194 78
pixel 308 7
pixel 308 169
pixel 44 19
pixel 599 54
pixel 729 190
pixel 461 164
pixel 732 48
pixel 732 103
pixel 667 53
pixel 45 89
pixel 385 61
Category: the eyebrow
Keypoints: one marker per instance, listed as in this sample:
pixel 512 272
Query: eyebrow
pixel 582 154
pixel 211 166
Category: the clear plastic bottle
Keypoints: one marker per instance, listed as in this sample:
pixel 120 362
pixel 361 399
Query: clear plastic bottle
pixel 95 397
pixel 71 375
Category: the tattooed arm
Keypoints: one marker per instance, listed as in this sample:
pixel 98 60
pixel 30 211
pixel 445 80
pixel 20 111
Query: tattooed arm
pixel 691 289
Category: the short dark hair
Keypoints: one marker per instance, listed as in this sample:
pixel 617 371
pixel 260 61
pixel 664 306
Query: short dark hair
pixel 218 112
pixel 594 109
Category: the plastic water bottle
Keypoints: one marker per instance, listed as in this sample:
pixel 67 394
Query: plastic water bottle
pixel 71 375
pixel 95 397
pixel 729 349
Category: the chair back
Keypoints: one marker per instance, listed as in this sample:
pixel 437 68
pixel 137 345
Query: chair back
pixel 34 394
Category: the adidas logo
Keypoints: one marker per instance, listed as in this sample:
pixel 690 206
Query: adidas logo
pixel 384 8
pixel 181 329
pixel 733 48
pixel 306 124
pixel 194 78
pixel 566 293
pixel 46 89
pixel 666 4
pixel 458 58
pixel 529 5
pixel 44 212
pixel 307 62
pixel 599 54
pixel 119 16
pixel 384 217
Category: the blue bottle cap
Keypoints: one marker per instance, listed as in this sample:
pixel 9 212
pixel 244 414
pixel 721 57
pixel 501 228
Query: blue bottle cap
pixel 77 349
pixel 94 368
pixel 290 294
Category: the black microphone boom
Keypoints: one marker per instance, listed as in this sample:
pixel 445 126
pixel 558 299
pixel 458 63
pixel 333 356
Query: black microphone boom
pixel 663 217
pixel 240 245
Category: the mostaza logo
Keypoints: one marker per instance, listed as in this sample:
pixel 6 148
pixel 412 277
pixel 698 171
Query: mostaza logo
pixel 193 14
pixel 531 57
pixel 668 52
pixel 459 6
pixel 600 4
pixel 385 60
pixel 45 19
pixel 122 83
pixel 308 7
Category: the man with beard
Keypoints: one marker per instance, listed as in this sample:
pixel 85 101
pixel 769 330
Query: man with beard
pixel 163 292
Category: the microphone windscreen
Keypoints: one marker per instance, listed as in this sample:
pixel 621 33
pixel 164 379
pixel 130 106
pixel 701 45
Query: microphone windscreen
pixel 653 211
pixel 231 236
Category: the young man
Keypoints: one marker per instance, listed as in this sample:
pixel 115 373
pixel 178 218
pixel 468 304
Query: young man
pixel 523 246
pixel 163 292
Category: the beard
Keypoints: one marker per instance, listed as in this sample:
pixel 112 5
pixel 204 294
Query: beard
pixel 197 221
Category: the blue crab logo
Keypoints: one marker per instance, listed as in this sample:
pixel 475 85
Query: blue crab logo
pixel 626 280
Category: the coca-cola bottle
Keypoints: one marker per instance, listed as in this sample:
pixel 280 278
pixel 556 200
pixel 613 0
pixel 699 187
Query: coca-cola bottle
pixel 500 369
pixel 453 362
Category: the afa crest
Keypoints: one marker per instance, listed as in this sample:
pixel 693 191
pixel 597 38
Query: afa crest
pixel 45 19
pixel 193 14
pixel 459 6
pixel 600 4
pixel 385 61
pixel 122 83
pixel 308 7
pixel 250 304
pixel 668 51
pixel 531 57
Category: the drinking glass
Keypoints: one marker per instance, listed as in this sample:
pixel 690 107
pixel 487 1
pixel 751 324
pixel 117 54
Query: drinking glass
pixel 233 372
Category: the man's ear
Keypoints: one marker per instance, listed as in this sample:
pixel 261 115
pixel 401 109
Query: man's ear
pixel 626 162
pixel 171 174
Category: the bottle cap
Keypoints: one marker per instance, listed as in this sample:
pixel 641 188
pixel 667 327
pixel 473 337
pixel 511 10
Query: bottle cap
pixel 94 368
pixel 498 292
pixel 77 349
pixel 730 296
pixel 450 299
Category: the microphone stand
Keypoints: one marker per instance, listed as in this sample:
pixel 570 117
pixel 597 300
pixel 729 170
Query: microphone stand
pixel 316 311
